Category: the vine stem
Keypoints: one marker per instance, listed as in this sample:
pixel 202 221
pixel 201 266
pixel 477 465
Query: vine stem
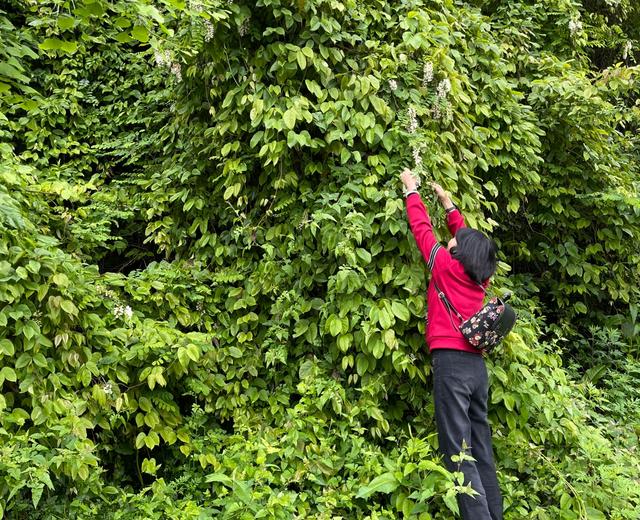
pixel 582 509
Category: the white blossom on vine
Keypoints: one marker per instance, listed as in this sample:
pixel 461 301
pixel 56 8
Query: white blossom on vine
pixel 163 58
pixel 176 70
pixel 195 5
pixel 244 28
pixel 444 87
pixel 208 31
pixel 626 50
pixel 436 110
pixel 575 26
pixel 448 112
pixel 427 73
pixel 107 388
pixel 393 85
pixel 413 121
pixel 417 156
pixel 122 310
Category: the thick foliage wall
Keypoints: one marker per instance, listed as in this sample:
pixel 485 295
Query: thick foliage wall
pixel 212 306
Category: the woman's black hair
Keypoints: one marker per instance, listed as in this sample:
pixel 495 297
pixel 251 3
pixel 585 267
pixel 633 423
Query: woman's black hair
pixel 477 254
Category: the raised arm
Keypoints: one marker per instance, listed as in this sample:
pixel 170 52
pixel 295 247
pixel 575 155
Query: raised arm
pixel 420 224
pixel 421 227
pixel 455 220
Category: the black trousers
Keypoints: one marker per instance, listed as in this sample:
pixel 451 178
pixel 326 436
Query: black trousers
pixel 460 387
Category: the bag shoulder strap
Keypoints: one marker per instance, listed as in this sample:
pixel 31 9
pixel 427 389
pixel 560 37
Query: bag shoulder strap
pixel 449 306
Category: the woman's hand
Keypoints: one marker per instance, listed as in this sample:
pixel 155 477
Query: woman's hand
pixel 439 191
pixel 443 196
pixel 408 180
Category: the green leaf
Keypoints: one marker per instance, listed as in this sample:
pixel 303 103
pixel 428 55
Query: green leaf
pixel 235 352
pixel 8 374
pixel 333 325
pixel 124 37
pixel 594 514
pixel 6 347
pixel 385 319
pixel 140 33
pixel 56 44
pixel 66 22
pixel 364 255
pixel 302 61
pixel 362 364
pixel 61 279
pixel 344 342
pixel 219 477
pixel 122 22
pixel 400 311
pixel 140 440
pixel 150 11
pixel 183 357
pixel 377 346
pixel 36 494
pixel 23 360
pixel 69 307
pixel 289 118
pixel 385 483
pixel 580 307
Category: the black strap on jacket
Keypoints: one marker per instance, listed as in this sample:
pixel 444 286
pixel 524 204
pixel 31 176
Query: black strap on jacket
pixel 448 305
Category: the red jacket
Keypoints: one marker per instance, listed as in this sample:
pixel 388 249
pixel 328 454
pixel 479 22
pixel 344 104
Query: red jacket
pixel 465 295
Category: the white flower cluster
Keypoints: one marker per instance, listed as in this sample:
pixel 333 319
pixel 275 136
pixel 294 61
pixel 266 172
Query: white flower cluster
pixel 176 70
pixel 208 31
pixel 413 121
pixel 626 50
pixel 427 73
pixel 244 28
pixel 442 107
pixel 108 388
pixel 417 158
pixel 444 87
pixel 195 6
pixel 37 317
pixel 162 58
pixel 122 310
pixel 393 85
pixel 100 289
pixel 448 112
pixel 575 26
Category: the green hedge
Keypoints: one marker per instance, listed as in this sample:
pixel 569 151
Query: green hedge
pixel 211 303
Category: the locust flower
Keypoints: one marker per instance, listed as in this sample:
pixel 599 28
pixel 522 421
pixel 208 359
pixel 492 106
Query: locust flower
pixel 413 121
pixel 444 87
pixel 208 31
pixel 427 73
pixel 575 26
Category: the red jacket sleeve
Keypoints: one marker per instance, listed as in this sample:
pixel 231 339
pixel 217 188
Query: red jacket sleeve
pixel 455 221
pixel 420 224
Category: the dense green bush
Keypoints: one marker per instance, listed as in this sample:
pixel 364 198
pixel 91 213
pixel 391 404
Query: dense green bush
pixel 212 306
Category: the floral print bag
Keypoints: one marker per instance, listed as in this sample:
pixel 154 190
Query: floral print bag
pixel 487 327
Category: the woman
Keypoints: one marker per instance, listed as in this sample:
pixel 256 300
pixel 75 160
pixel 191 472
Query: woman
pixel 460 387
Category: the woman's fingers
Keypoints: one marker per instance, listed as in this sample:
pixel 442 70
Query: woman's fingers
pixel 408 179
pixel 438 189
